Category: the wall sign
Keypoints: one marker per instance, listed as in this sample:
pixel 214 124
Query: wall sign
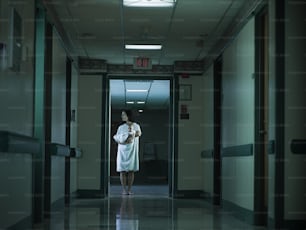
pixel 142 63
pixel 184 112
pixel 185 92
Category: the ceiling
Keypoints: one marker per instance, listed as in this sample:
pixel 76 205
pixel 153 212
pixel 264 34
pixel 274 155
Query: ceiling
pixel 140 94
pixel 189 31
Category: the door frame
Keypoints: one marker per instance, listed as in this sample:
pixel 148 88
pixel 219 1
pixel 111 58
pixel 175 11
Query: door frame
pixel 261 119
pixel 106 135
pixel 217 173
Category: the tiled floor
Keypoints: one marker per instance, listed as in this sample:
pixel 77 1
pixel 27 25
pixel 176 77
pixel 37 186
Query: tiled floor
pixel 142 212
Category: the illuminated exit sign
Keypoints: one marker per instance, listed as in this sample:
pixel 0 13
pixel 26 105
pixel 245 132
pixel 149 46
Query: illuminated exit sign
pixel 142 63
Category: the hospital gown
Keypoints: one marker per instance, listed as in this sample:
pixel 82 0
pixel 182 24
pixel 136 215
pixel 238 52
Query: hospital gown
pixel 127 154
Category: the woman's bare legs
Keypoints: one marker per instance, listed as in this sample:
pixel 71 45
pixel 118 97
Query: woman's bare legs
pixel 123 179
pixel 127 180
pixel 130 181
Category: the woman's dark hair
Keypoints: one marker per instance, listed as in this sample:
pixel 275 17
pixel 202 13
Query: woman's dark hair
pixel 129 114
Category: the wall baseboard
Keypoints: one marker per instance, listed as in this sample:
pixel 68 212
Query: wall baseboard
pixel 288 224
pixel 295 224
pixel 187 194
pixel 194 194
pixel 88 193
pixel 207 196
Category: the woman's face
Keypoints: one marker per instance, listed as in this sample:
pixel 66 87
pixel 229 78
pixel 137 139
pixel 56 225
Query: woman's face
pixel 124 117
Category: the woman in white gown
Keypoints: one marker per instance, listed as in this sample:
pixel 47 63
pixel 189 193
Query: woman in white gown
pixel 127 137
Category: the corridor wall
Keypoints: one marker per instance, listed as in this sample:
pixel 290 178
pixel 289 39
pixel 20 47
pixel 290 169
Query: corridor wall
pixel 58 116
pixel 287 203
pixel 191 136
pixel 89 132
pixel 16 188
pixel 16 116
pixel 16 87
pixel 295 113
pixel 271 112
pixel 74 128
pixel 238 120
pixel 207 162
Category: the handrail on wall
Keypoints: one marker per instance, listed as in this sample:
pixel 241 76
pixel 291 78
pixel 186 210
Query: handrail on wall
pixel 17 143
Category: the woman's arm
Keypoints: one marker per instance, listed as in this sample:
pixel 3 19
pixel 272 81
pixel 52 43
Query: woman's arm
pixel 120 137
pixel 138 131
pixel 129 140
pixel 138 134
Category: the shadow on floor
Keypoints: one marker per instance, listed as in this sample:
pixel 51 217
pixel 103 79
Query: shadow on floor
pixel 141 190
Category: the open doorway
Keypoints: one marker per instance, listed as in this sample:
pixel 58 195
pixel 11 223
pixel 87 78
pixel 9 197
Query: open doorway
pixel 151 103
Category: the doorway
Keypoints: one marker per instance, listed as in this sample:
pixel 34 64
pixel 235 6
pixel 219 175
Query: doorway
pixel 151 101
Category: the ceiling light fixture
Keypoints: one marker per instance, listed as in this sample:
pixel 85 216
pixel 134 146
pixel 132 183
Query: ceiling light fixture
pixel 130 102
pixel 149 3
pixel 137 90
pixel 143 47
pixel 141 102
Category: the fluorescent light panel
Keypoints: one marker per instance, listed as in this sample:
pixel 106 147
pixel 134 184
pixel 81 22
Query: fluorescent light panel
pixel 149 3
pixel 133 102
pixel 137 90
pixel 142 47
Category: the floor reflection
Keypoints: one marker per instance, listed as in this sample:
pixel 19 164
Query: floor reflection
pixel 142 213
pixel 126 219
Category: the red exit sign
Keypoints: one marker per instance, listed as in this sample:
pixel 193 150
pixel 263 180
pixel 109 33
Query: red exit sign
pixel 142 63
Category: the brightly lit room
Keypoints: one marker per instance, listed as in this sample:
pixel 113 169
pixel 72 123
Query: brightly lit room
pixel 149 101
